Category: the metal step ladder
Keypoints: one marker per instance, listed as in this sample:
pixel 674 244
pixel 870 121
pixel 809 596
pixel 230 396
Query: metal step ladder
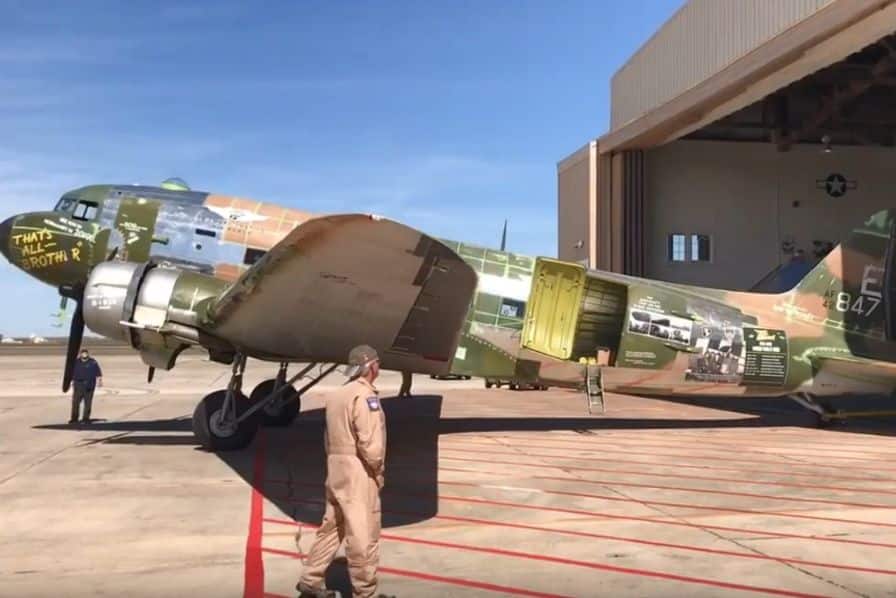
pixel 594 393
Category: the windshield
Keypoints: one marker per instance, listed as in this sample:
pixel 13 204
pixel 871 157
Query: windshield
pixel 65 205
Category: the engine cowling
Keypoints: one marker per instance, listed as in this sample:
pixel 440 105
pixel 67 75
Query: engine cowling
pixel 156 309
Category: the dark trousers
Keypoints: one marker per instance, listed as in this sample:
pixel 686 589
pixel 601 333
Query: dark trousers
pixel 81 393
pixel 405 390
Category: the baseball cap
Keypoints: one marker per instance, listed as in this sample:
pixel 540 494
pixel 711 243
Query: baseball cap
pixel 358 358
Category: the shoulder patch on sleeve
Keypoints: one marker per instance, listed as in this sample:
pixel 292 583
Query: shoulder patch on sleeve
pixel 373 403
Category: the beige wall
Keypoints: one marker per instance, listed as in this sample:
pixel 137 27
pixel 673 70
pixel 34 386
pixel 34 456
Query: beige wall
pixel 742 195
pixel 701 39
pixel 576 193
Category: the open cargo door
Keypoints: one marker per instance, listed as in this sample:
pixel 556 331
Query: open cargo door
pixel 553 307
pixel 571 313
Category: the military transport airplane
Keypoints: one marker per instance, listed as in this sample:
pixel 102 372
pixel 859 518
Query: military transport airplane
pixel 166 268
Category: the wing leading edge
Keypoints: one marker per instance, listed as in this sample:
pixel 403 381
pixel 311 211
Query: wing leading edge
pixel 341 280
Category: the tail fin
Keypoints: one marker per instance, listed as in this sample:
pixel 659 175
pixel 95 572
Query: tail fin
pixel 855 285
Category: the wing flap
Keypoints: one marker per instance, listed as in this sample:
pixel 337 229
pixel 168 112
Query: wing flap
pixel 338 281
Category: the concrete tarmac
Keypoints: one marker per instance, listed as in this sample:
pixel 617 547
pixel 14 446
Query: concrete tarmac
pixel 488 493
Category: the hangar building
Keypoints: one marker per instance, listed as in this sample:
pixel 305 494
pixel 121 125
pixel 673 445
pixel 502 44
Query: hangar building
pixel 744 135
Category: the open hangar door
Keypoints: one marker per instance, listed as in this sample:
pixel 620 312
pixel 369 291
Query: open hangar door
pixel 752 200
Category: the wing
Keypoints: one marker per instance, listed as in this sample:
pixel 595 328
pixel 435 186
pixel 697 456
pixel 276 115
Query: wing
pixel 338 281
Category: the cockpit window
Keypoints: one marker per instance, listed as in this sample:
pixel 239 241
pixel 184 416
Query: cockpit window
pixel 85 210
pixel 65 205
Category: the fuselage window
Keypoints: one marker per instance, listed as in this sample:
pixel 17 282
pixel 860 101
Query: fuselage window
pixel 252 256
pixel 510 308
pixel 205 232
pixel 85 210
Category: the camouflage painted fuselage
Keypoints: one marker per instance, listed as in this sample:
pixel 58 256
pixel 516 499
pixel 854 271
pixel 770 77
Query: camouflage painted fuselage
pixel 832 334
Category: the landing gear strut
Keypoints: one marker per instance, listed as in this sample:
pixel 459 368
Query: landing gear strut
pixel 283 395
pixel 282 410
pixel 220 421
pixel 825 414
pixel 228 420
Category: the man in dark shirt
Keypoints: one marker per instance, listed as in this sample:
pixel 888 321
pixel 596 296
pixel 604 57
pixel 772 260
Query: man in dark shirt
pixel 85 378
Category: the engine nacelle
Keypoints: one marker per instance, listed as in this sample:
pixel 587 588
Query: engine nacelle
pixel 156 309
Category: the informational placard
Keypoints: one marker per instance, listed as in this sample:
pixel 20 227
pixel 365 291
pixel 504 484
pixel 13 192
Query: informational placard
pixel 766 353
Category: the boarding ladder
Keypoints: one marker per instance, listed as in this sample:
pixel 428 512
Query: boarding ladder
pixel 594 392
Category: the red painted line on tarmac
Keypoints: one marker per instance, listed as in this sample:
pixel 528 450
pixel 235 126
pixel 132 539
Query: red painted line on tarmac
pixel 456 581
pixel 585 564
pixel 794 433
pixel 253 572
pixel 682 489
pixel 599 449
pixel 641 541
pixel 600 441
pixel 686 506
pixel 658 521
pixel 721 443
pixel 804 441
pixel 720 492
pixel 603 515
pixel 520 452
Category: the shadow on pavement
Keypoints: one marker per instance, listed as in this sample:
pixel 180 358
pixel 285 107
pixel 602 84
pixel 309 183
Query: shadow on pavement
pixel 295 463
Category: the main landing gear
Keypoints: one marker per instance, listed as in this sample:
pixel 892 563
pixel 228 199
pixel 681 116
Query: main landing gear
pixel 227 420
pixel 822 410
pixel 826 414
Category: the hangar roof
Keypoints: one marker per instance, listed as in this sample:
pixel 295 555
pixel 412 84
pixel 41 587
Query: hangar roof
pixel 716 56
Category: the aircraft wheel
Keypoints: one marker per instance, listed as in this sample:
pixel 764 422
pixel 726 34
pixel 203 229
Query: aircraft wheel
pixel 216 434
pixel 822 421
pixel 512 386
pixel 278 414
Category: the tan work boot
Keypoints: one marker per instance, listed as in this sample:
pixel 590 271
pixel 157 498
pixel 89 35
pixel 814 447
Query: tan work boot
pixel 306 591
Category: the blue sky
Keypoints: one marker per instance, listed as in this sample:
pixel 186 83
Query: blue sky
pixel 448 116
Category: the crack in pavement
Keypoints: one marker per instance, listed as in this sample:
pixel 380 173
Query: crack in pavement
pixel 664 513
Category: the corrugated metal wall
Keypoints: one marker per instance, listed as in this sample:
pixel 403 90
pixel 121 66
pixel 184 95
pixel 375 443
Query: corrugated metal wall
pixel 701 39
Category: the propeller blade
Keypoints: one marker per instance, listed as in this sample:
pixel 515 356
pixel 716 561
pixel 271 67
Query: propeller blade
pixel 76 333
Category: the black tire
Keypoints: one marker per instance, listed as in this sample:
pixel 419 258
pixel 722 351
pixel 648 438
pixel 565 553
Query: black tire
pixel 512 386
pixel 287 412
pixel 204 429
pixel 488 384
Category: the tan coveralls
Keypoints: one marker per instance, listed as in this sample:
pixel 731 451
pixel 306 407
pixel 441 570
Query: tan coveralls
pixel 356 455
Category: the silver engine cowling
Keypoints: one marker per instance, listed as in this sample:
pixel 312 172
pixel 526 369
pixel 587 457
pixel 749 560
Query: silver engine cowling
pixel 137 303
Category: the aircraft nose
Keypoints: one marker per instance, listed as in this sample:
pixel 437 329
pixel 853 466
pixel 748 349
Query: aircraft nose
pixel 5 231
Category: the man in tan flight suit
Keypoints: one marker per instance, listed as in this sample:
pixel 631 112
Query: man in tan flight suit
pixel 355 442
